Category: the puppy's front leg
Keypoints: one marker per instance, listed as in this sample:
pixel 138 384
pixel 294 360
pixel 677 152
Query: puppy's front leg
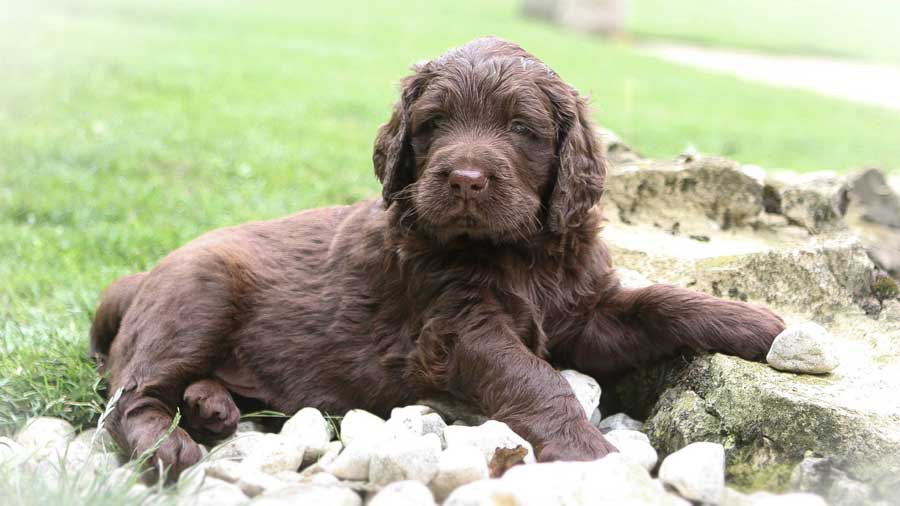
pixel 633 327
pixel 488 365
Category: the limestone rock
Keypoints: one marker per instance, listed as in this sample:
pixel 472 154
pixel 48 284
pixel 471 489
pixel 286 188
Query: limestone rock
pixel 457 467
pixel 619 421
pixel 586 389
pixel 874 214
pixel 818 475
pixel 873 197
pixel 685 196
pixel 616 150
pixel 403 493
pixel 770 420
pixel 486 438
pixel 804 348
pixel 817 203
pixel 631 279
pixel 405 458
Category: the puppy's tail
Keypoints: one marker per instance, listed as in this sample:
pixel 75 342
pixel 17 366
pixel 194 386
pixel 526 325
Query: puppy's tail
pixel 113 304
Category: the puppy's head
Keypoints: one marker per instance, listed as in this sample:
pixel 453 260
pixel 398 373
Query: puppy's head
pixel 487 142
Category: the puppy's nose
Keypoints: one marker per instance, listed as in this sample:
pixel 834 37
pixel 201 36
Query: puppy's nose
pixel 467 183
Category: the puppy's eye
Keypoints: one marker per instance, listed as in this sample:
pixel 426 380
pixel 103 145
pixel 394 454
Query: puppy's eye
pixel 437 121
pixel 519 127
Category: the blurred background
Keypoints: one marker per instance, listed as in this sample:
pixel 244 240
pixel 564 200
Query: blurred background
pixel 128 128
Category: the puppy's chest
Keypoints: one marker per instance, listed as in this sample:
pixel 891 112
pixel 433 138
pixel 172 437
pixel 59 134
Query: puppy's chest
pixel 520 291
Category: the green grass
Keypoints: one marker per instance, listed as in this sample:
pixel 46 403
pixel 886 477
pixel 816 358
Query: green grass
pixel 864 29
pixel 127 129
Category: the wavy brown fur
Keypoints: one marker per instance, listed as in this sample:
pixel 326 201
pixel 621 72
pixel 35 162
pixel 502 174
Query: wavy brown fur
pixel 428 291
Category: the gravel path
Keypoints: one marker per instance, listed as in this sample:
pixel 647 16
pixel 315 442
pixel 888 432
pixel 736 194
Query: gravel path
pixel 866 83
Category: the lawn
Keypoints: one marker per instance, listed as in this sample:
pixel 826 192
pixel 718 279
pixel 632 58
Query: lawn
pixel 864 29
pixel 127 129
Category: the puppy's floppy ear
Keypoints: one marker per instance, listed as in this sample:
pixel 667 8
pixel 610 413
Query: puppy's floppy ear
pixel 393 156
pixel 581 169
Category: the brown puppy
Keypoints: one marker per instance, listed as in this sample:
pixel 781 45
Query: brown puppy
pixel 478 270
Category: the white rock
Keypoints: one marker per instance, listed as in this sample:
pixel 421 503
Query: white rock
pixel 353 462
pixel 596 417
pixel 45 432
pixel 696 471
pixel 250 480
pixel 273 453
pixel 487 437
pixel 803 348
pixel 59 462
pixel 74 462
pixel 309 494
pixel 324 479
pixel 731 497
pixel 358 424
pixel 489 493
pixel 405 458
pixel 97 440
pixel 586 389
pixel 796 499
pixel 10 450
pixel 634 445
pixel 457 467
pixel 311 430
pixel 613 480
pixel 432 423
pixel 403 493
pixel 407 420
pixel 631 279
pixel 676 500
pixel 237 447
pixel 138 494
pixel 332 451
pixel 619 421
pixel 213 492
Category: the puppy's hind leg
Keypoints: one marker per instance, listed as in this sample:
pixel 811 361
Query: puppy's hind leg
pixel 173 334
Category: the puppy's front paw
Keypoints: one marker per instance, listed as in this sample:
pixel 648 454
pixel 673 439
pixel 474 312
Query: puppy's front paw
pixel 755 333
